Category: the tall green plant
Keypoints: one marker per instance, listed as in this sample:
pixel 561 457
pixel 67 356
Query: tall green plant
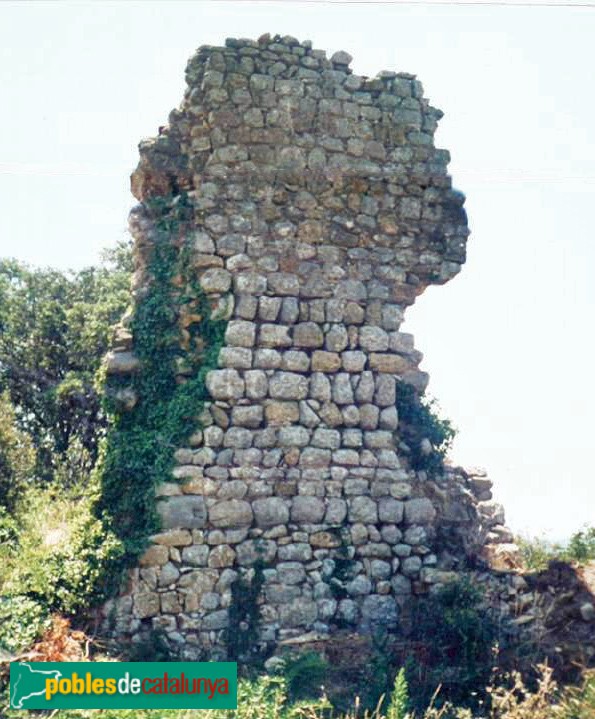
pixel 399 699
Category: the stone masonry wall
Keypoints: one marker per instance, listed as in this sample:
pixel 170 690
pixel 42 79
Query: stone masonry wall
pixel 321 209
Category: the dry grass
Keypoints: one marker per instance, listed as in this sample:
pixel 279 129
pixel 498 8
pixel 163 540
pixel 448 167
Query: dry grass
pixel 61 644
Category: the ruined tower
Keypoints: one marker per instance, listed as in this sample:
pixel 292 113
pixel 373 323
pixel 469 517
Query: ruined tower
pixel 299 209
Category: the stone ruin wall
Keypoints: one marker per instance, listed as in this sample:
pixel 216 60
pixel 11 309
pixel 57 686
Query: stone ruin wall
pixel 321 210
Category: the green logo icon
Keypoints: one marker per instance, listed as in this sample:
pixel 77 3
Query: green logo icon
pixel 28 682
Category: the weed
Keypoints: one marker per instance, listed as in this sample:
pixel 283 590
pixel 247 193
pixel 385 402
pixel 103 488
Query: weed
pixel 305 675
pixel 399 699
pixel 418 421
pixel 454 639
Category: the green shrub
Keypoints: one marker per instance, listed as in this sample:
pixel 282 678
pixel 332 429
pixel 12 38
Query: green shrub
pixel 378 678
pixel 538 552
pixel 454 639
pixel 305 675
pixel 418 420
pixel 579 702
pixel 22 621
pixel 62 550
pixel 56 563
pixel 9 530
pixel 581 547
pixel 17 456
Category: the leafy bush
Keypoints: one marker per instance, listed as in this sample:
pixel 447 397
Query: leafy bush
pixel 305 675
pixel 56 563
pixel 17 457
pixel 9 530
pixel 581 547
pixel 453 638
pixel 378 681
pixel 537 552
pixel 419 420
pixel 579 702
pixel 22 619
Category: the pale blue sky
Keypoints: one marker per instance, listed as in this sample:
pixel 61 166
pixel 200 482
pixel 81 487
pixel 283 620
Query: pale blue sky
pixel 508 342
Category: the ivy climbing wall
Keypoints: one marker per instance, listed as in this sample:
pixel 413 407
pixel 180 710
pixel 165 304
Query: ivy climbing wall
pixel 271 469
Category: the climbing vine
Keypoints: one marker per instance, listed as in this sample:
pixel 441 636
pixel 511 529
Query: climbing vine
pixel 138 452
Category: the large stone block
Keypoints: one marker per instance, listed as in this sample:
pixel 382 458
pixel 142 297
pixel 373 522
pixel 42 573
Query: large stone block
pixel 299 552
pixel 307 335
pixel 196 555
pixel 231 513
pixel 390 510
pixel 342 391
pixel 336 511
pixel 363 509
pixel 306 509
pixel 240 333
pixel 326 438
pixel 274 336
pixel 373 339
pixel 419 511
pixel 155 556
pixel 326 361
pixel 288 385
pixel 284 283
pixel 391 363
pixel 250 551
pixel 235 357
pixel 281 413
pixel 121 363
pixel 225 384
pixel 301 612
pixel 146 605
pixel 379 612
pixel 215 280
pixel 247 416
pixel 257 384
pixel 293 436
pixel 182 512
pixel 270 511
